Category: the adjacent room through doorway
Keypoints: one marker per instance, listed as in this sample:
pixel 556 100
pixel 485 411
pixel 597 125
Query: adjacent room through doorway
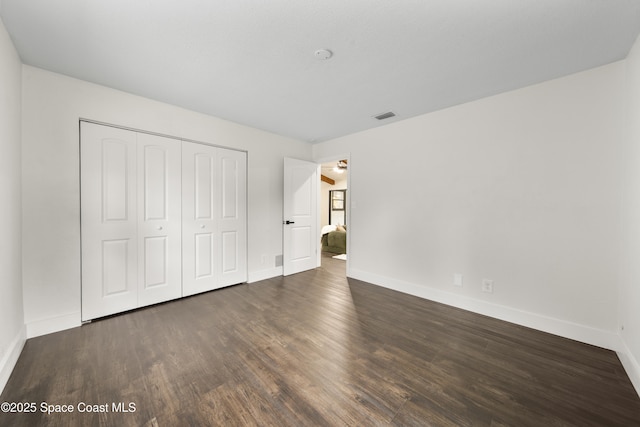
pixel 334 209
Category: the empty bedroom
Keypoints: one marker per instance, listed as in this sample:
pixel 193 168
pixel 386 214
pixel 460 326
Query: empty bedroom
pixel 300 213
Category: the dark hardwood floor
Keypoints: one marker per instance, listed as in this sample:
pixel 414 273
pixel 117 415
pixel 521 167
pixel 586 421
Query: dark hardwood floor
pixel 316 349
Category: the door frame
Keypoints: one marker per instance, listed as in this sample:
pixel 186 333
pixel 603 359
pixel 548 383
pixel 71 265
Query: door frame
pixel 349 206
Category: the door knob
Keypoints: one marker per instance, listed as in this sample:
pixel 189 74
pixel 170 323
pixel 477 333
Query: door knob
pixel 288 222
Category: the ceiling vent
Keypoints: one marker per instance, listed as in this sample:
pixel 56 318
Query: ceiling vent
pixel 386 115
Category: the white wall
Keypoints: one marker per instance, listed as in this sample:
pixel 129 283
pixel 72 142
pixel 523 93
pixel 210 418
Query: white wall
pixel 12 331
pixel 630 283
pixel 523 188
pixel 52 105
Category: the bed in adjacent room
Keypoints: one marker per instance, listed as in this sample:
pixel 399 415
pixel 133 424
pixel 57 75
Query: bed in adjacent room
pixel 334 239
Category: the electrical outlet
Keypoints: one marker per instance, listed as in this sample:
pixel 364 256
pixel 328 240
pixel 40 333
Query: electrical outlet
pixel 487 286
pixel 457 280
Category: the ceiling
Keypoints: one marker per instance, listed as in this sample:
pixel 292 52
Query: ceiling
pixel 328 170
pixel 253 61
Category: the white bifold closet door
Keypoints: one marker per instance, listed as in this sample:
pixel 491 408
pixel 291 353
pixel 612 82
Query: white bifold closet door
pixel 109 221
pixel 161 218
pixel 232 219
pixel 131 220
pixel 214 218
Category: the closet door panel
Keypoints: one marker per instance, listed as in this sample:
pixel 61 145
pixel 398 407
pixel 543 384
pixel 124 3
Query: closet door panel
pixel 199 202
pixel 108 220
pixel 159 219
pixel 230 255
pixel 203 260
pixel 231 222
pixel 116 263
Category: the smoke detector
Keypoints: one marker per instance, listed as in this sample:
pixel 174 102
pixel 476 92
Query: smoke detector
pixel 323 54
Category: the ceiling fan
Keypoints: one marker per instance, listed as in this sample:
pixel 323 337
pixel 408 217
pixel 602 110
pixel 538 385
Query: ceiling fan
pixel 330 173
pixel 340 166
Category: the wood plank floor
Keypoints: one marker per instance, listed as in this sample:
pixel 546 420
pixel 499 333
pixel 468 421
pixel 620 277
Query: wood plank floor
pixel 317 349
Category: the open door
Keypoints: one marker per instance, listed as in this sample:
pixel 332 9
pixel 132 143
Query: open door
pixel 300 222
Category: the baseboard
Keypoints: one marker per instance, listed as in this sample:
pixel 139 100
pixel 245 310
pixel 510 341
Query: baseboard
pixel 53 324
pixel 563 328
pixel 256 276
pixel 10 359
pixel 631 366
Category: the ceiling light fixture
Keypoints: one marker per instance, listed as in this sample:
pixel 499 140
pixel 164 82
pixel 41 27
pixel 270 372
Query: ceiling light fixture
pixel 323 54
pixel 341 166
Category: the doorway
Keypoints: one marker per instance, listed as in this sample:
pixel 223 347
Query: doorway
pixel 334 210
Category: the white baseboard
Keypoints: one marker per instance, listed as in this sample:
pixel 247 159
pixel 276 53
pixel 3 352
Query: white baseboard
pixel 631 365
pixel 53 324
pixel 256 276
pixel 563 328
pixel 10 359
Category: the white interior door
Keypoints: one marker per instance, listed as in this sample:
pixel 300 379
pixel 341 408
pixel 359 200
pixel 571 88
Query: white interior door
pixel 159 219
pixel 300 223
pixel 199 206
pixel 109 220
pixel 232 219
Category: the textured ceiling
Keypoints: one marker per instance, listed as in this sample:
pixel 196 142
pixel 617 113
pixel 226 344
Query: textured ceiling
pixel 253 62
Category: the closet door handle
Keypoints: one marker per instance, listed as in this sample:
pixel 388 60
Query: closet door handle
pixel 288 222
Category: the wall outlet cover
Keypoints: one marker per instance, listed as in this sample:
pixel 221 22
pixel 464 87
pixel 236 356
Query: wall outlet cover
pixel 487 286
pixel 457 280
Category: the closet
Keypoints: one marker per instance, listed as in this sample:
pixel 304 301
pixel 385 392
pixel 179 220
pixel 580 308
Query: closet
pixel 161 218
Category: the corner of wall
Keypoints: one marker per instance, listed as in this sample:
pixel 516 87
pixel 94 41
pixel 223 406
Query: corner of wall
pixel 629 351
pixel 54 324
pixel 12 328
pixel 10 359
pixel 630 365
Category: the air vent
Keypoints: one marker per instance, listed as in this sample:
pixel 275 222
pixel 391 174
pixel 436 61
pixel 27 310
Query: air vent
pixel 386 115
